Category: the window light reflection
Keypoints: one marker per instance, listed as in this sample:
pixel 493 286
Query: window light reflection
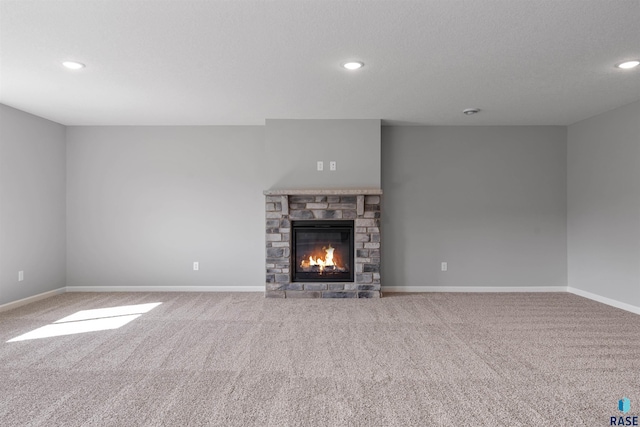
pixel 99 319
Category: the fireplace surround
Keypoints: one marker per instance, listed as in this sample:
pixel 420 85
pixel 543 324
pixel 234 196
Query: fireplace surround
pixel 318 208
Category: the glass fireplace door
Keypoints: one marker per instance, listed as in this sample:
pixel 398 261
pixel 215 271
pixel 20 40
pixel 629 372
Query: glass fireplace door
pixel 322 251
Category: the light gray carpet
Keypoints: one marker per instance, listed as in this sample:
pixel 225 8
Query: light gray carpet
pixel 404 360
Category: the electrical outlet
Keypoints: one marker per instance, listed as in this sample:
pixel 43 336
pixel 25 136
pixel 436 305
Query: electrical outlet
pixel 196 266
pixel 444 266
pixel 332 165
pixel 320 166
pixel 20 276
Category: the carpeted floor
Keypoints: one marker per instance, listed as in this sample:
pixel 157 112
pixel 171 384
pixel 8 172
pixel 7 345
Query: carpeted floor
pixel 442 359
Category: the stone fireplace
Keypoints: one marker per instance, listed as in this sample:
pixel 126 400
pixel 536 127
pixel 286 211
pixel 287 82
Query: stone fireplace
pixel 316 224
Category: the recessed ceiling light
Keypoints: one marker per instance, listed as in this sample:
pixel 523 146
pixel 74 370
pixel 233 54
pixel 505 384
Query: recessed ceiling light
pixel 72 65
pixel 353 65
pixel 628 64
pixel 471 111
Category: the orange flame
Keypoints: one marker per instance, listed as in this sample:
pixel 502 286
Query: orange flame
pixel 328 260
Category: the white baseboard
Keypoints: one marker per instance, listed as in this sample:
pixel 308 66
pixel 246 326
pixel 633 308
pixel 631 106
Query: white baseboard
pixel 165 288
pixel 604 300
pixel 29 300
pixel 474 289
pixel 579 292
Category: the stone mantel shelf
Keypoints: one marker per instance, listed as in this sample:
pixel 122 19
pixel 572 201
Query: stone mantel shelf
pixel 324 191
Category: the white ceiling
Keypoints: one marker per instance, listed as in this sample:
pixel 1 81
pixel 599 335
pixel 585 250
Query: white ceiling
pixel 182 62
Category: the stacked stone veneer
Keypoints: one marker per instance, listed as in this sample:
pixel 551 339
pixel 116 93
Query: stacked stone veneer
pixel 282 209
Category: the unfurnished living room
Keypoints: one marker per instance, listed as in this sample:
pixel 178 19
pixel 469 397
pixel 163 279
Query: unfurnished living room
pixel 319 213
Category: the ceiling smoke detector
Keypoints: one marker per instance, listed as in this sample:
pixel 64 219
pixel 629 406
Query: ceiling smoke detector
pixel 471 111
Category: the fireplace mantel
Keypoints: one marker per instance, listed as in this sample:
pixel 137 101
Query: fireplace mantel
pixel 325 192
pixel 361 205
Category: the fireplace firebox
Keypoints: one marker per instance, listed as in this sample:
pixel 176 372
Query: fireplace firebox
pixel 322 251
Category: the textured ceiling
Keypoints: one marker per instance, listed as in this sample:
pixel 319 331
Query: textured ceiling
pixel 181 62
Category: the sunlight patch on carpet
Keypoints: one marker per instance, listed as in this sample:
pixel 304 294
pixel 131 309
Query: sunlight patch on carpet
pixel 99 319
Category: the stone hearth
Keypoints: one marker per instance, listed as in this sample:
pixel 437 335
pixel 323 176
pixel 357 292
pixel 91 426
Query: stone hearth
pixel 360 205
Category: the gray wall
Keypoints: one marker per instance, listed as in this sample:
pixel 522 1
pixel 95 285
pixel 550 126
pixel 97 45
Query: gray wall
pixel 604 205
pixel 32 205
pixel 490 201
pixel 295 146
pixel 145 202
